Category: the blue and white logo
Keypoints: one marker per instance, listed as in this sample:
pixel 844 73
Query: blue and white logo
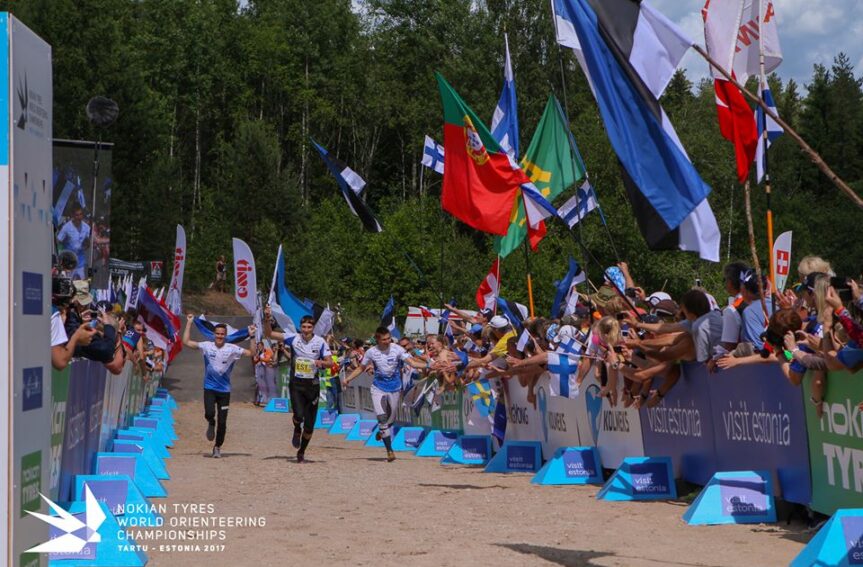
pixel 75 533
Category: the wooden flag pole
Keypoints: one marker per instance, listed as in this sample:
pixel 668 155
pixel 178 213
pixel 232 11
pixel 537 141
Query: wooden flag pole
pixel 813 155
pixel 748 202
pixel 529 281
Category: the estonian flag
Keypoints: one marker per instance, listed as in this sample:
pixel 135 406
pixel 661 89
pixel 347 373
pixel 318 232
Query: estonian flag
pixel 350 184
pixel 516 313
pixel 575 275
pixel 208 329
pixel 388 318
pixel 629 52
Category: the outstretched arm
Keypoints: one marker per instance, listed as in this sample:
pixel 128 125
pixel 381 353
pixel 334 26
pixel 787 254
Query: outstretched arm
pixel 187 333
pixel 268 328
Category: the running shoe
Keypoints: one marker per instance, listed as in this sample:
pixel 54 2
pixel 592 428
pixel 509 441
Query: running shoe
pixel 301 457
pixel 391 456
pixel 217 453
pixel 211 432
pixel 295 440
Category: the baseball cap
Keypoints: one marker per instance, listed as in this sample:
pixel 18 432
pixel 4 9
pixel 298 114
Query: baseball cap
pixel 666 307
pixel 658 296
pixel 475 329
pixel 82 292
pixel 498 322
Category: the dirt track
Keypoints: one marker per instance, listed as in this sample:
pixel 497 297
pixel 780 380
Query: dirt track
pixel 347 506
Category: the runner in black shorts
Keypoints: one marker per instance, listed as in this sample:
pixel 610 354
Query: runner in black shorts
pixel 309 353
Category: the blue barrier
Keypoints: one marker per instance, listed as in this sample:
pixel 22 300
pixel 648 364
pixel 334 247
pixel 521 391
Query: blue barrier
pixel 133 434
pixel 641 478
pixel 469 450
pixel 516 456
pixel 121 495
pixel 437 443
pixel 133 466
pixel 278 405
pixel 325 418
pixel 344 423
pixel 571 465
pixel 372 441
pixel 145 449
pixel 409 439
pixel 838 542
pixel 362 430
pixel 742 497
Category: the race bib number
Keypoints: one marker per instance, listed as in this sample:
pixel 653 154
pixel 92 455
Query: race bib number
pixel 305 368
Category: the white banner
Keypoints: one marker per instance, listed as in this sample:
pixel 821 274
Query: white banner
pixel 174 300
pixel 26 232
pixel 782 260
pixel 245 281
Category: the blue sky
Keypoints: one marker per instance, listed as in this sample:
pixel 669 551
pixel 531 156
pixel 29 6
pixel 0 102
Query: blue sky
pixel 810 31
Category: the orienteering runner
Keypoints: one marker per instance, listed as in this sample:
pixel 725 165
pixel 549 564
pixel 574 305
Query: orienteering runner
pixel 309 354
pixel 387 360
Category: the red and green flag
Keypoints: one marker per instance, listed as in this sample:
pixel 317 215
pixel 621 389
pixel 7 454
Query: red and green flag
pixel 549 163
pixel 480 182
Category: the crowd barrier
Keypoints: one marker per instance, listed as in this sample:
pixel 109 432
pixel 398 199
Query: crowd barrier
pixel 745 418
pixel 88 406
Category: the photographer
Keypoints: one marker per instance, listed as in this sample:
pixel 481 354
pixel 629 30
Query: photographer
pixel 63 345
pixel 103 346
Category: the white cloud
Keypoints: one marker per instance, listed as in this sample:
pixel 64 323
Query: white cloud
pixel 810 31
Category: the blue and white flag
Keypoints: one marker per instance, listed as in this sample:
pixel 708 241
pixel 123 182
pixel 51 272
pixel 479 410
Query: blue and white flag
pixel 207 328
pixel 433 155
pixel 514 312
pixel 629 53
pixel 563 371
pixel 287 309
pixel 536 207
pixel 577 207
pixel 569 346
pixel 388 318
pixel 564 288
pixel 504 122
pixel 350 184
pixel 774 130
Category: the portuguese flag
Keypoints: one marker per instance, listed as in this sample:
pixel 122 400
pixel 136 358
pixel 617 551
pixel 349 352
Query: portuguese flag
pixel 480 182
pixel 551 167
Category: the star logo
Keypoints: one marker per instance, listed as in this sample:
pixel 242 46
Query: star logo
pixel 75 533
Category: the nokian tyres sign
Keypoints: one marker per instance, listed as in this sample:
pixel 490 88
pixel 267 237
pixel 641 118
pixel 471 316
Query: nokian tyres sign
pixel 836 444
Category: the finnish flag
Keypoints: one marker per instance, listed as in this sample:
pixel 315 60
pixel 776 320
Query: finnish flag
pixel 504 122
pixel 433 155
pixel 563 371
pixel 774 130
pixel 577 207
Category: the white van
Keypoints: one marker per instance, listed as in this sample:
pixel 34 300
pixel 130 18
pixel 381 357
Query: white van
pixel 417 325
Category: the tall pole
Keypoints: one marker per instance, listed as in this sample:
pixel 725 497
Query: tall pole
pixel 763 141
pixel 529 280
pixel 93 204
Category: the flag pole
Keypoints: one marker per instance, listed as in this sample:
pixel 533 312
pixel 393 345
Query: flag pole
pixel 763 142
pixel 529 281
pixel 807 149
pixel 748 202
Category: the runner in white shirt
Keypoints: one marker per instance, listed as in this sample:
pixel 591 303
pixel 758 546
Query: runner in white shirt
pixel 309 354
pixel 386 359
pixel 219 359
pixel 74 236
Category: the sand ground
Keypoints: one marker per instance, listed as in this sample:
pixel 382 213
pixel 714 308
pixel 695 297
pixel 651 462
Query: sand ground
pixel 348 506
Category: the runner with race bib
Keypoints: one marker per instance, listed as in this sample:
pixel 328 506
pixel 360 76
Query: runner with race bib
pixel 309 354
pixel 387 360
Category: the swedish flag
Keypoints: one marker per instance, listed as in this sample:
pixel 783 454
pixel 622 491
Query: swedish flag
pixel 480 394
